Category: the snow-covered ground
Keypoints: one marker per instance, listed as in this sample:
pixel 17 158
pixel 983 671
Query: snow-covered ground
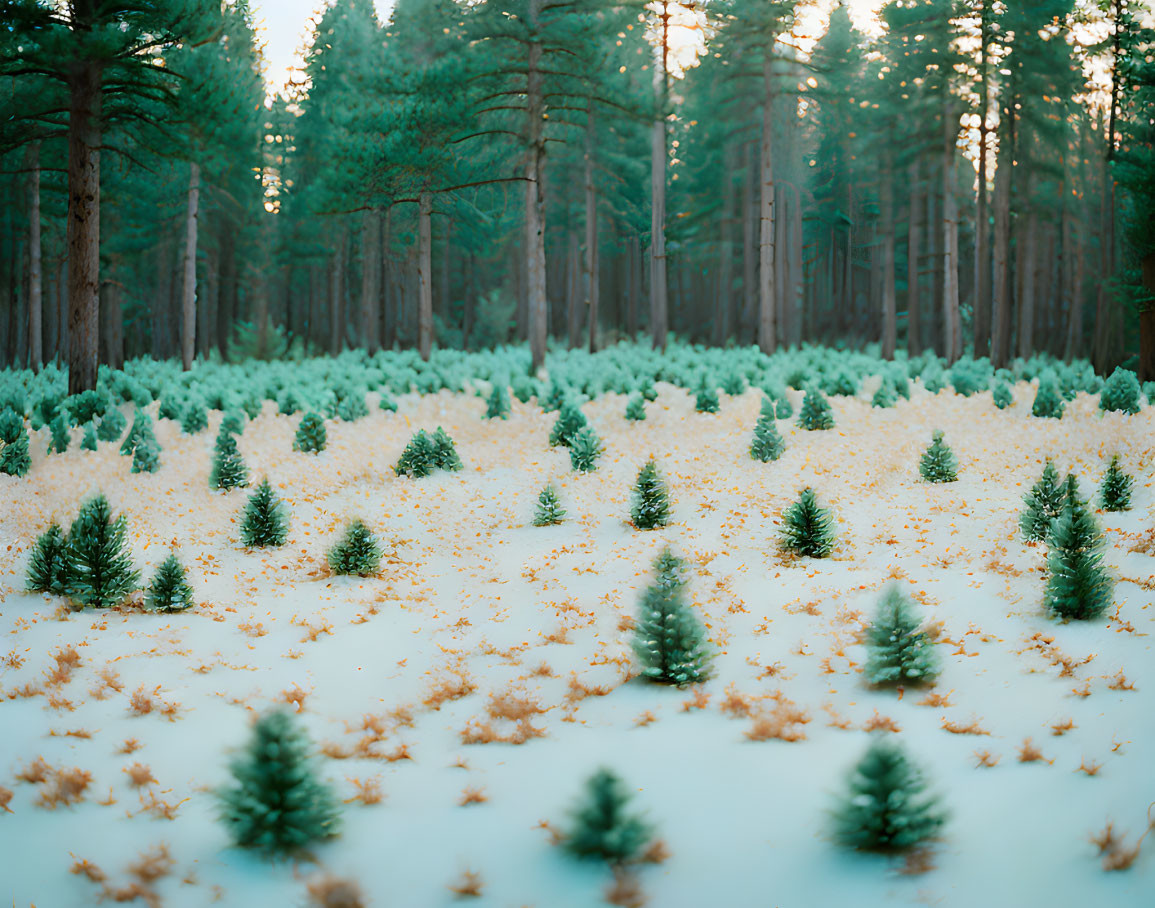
pixel 472 597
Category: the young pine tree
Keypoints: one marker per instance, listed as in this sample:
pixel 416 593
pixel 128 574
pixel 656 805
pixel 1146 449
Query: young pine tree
pixel 419 457
pixel 445 451
pixel 14 457
pixel 100 570
pixel 112 423
pixel 601 827
pixel 1078 586
pixel 570 421
pixel 228 469
pixel 195 418
pixel 706 399
pixel 885 397
pixel 311 435
pixel 140 433
pixel 48 566
pixel 357 553
pixel 265 521
pixel 277 804
pixel 1049 402
pixel 1115 493
pixel 584 450
pixel 783 409
pixel 549 510
pixel 766 444
pixel 233 423
pixel 807 528
pixel 651 499
pixel 60 435
pixel 89 439
pixel 1043 504
pixel 1120 392
pixel 938 462
pixel 888 807
pixel 497 404
pixel 815 412
pixel 146 457
pixel 1002 396
pixel 897 652
pixel 669 641
pixel 636 408
pixel 170 590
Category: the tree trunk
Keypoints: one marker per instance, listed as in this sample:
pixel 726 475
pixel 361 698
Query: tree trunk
pixel 797 278
pixel 536 302
pixel 112 322
pixel 749 249
pixel 889 307
pixel 337 294
pixel 592 277
pixel 766 283
pixel 659 293
pixel 1027 269
pixel 1074 292
pixel 389 300
pixel 913 233
pixel 1001 279
pixel 982 309
pixel 188 321
pixel 35 280
pixel 370 296
pixel 723 316
pixel 83 224
pixel 952 326
pixel 425 275
pixel 1147 325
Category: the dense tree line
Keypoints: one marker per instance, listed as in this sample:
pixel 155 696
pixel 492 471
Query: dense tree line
pixel 970 177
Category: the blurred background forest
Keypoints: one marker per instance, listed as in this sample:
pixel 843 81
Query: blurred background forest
pixel 965 176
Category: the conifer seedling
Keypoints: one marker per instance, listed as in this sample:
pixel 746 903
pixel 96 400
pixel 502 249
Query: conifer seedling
pixel 1120 392
pixel 146 457
pixel 888 807
pixel 1078 585
pixel 445 452
pixel 602 829
pixel 766 444
pixel 88 440
pixel 815 413
pixel 885 397
pixel 1002 396
pixel 668 639
pixel 60 434
pixel 112 423
pixel 549 510
pixel 357 553
pixel 497 404
pixel 233 423
pixel 1115 493
pixel 277 804
pixel 100 570
pixel 570 420
pixel 584 450
pixel 1049 402
pixel 651 499
pixel 938 462
pixel 170 590
pixel 228 469
pixel 14 457
pixel 419 457
pixel 195 418
pixel 706 399
pixel 140 433
pixel 311 436
pixel 1043 505
pixel 807 528
pixel 265 521
pixel 48 565
pixel 636 408
pixel 898 652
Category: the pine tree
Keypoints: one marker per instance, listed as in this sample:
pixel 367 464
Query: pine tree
pixel 195 418
pixel 807 528
pixel 1048 401
pixel 888 807
pixel 497 404
pixel 669 641
pixel 1115 493
pixel 938 462
pixel 815 412
pixel 112 423
pixel 100 570
pixel 584 450
pixel 1002 396
pixel 885 397
pixel 233 423
pixel 11 425
pixel 88 440
pixel 782 406
pixel 1078 586
pixel 14 457
pixel 170 590
pixel 445 451
pixel 146 457
pixel 601 827
pixel 228 469
pixel 277 803
pixel 419 457
pixel 48 565
pixel 311 436
pixel 265 521
pixel 651 499
pixel 357 553
pixel 897 651
pixel 636 408
pixel 1120 392
pixel 767 444
pixel 60 434
pixel 570 421
pixel 1043 505
pixel 549 510
pixel 140 433
pixel 706 399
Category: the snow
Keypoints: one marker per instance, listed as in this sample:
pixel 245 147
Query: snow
pixel 469 587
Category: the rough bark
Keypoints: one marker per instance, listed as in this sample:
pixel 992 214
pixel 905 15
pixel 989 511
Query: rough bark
pixel 749 248
pixel 1001 277
pixel 83 233
pixel 35 279
pixel 425 275
pixel 1147 325
pixel 1027 270
pixel 370 296
pixel 723 317
pixel 982 308
pixel 591 251
pixel 188 321
pixel 659 292
pixel 913 233
pixel 889 308
pixel 952 326
pixel 767 309
pixel 536 302
pixel 337 293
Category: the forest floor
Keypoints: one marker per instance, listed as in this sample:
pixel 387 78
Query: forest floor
pixel 481 627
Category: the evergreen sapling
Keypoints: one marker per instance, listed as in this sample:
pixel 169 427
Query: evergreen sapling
pixel 636 408
pixel 885 397
pixel 549 510
pixel 669 641
pixel 146 456
pixel 1002 396
pixel 497 404
pixel 888 807
pixel 311 435
pixel 48 566
pixel 570 420
pixel 584 450
pixel 1078 585
pixel 265 521
pixel 60 434
pixel 170 590
pixel 808 528
pixel 228 469
pixel 14 457
pixel 89 438
pixel 815 412
pixel 112 423
pixel 445 452
pixel 277 804
pixel 140 433
pixel 195 418
pixel 651 499
pixel 1049 402
pixel 766 444
pixel 357 553
pixel 1043 505
pixel 419 457
pixel 706 399
pixel 601 828
pixel 1120 392
pixel 938 462
pixel 1115 493
pixel 783 409
pixel 897 651
pixel 100 570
